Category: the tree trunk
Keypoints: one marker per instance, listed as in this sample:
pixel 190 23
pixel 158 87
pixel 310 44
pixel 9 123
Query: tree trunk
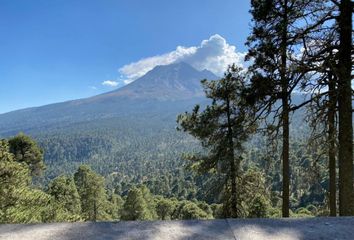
pixel 233 169
pixel 94 211
pixel 285 116
pixel 233 189
pixel 285 155
pixel 345 128
pixel 332 146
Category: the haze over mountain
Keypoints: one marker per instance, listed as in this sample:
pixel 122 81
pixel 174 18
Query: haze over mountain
pixel 178 82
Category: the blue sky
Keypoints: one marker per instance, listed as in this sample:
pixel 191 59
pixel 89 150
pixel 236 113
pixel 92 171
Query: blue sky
pixel 57 50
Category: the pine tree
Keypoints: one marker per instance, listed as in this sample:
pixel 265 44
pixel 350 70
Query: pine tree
pixel 222 128
pixel 135 206
pixel 19 203
pixel 66 200
pixel 345 94
pixel 150 201
pixel 115 206
pixel 93 196
pixel 278 27
pixel 26 150
pixel 331 59
pixel 164 208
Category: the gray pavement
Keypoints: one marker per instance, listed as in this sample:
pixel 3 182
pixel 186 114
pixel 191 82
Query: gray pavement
pixel 225 229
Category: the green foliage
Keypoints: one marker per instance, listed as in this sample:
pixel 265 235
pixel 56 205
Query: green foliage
pixel 210 126
pixel 189 210
pixel 164 208
pixel 135 206
pixel 150 201
pixel 115 206
pixel 302 212
pixel 275 213
pixel 205 207
pixel 65 200
pixel 19 203
pixel 254 194
pixel 30 207
pixel 259 207
pixel 217 210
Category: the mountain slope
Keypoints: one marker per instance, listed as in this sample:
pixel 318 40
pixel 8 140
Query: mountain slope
pixel 169 82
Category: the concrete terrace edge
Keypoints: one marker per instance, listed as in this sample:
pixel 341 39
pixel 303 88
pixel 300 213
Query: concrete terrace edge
pixel 220 229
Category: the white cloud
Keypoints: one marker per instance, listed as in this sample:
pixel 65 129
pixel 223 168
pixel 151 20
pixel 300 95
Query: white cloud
pixel 93 87
pixel 213 54
pixel 129 80
pixel 110 83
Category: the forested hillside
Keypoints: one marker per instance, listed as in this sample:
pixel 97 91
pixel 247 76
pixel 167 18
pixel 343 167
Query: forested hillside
pixel 147 148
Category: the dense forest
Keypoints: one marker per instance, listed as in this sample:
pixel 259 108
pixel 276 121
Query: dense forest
pixel 86 196
pixel 272 140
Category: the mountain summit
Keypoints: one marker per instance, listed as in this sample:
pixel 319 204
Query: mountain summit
pixel 166 82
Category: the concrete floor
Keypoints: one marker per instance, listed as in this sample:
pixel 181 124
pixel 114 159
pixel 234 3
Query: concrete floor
pixel 224 229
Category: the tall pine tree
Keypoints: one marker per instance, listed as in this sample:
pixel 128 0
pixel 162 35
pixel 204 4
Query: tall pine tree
pixel 222 129
pixel 345 94
pixel 278 27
